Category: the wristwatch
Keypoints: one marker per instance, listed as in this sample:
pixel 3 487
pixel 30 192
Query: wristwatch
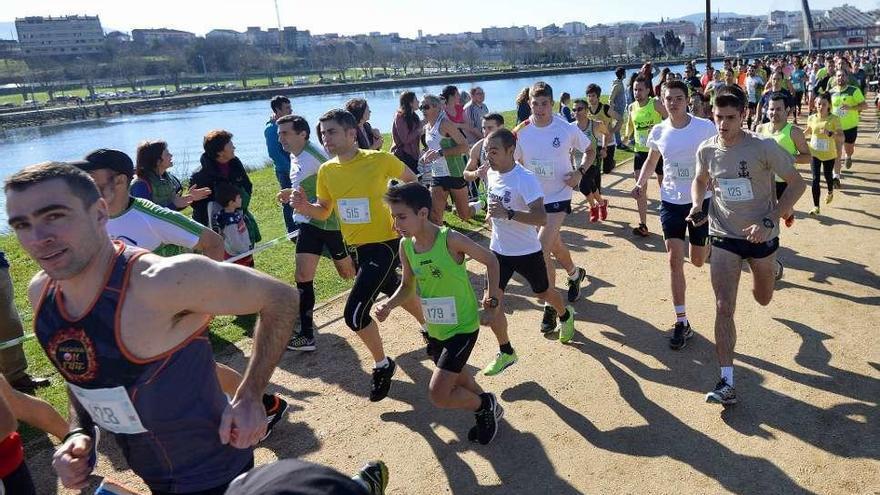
pixel 493 301
pixel 768 223
pixel 510 214
pixel 582 170
pixel 441 152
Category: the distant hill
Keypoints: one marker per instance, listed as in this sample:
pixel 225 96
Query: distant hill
pixel 700 17
pixel 7 31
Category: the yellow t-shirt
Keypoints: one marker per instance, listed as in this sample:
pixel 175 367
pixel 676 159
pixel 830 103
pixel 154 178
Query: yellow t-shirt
pixel 823 146
pixel 355 190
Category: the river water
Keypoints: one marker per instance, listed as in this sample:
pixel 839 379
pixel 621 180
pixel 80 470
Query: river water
pixel 184 129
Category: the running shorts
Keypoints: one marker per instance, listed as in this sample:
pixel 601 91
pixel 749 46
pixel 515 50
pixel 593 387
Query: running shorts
pixel 675 226
pixel 850 135
pixel 314 240
pixel 530 266
pixel 453 353
pixel 745 249
pixel 559 206
pixel 448 183
pixel 641 157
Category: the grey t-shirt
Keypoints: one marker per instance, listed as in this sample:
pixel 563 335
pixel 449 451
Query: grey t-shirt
pixel 741 178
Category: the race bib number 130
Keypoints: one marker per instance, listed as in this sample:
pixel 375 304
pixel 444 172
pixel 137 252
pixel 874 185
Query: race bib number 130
pixel 354 210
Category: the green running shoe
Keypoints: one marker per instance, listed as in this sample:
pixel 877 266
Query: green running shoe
pixel 566 328
pixel 501 362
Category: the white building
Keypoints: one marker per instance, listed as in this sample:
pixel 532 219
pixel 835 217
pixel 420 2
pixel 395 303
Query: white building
pixel 59 36
pixel 575 28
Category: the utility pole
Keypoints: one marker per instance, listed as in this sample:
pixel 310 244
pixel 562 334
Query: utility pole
pixel 709 32
pixel 280 31
pixel 808 25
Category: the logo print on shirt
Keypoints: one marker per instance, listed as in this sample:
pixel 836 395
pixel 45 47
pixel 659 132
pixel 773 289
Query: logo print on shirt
pixel 435 272
pixel 74 355
pixel 556 142
pixel 744 169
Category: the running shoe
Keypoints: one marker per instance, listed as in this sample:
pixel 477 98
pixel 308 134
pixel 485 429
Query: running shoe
pixel 680 335
pixel 275 409
pixel 373 477
pixel 566 328
pixel 641 230
pixel 501 362
pixel 603 210
pixel 487 422
pixel 548 322
pixel 723 394
pixel 778 271
pixel 624 147
pixel 847 162
pixel 789 220
pixel 594 214
pixel 301 343
pixel 836 182
pixel 829 198
pixel 815 211
pixel 381 382
pixel 574 286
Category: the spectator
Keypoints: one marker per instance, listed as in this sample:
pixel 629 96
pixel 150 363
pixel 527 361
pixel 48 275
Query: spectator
pixel 15 477
pixel 154 183
pixel 13 364
pixel 664 76
pixel 630 96
pixel 406 131
pixel 367 137
pixel 617 100
pixel 565 108
pixel 523 109
pixel 280 107
pixel 219 164
pixel 227 219
pixel 454 109
pixel 474 111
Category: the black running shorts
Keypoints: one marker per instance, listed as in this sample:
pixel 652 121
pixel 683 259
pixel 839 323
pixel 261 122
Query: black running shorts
pixel 314 240
pixel 641 157
pixel 558 206
pixel 448 183
pixel 745 249
pixel 675 226
pixel 376 272
pixel 530 266
pixel 850 135
pixel 453 353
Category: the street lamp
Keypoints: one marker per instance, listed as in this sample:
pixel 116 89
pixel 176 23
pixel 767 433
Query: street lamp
pixel 204 67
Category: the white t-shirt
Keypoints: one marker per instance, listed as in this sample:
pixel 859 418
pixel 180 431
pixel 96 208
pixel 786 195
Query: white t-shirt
pixel 147 225
pixel 679 150
pixel 546 152
pixel 515 190
pixel 304 172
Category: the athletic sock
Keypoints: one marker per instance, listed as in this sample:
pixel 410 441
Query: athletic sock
pixel 727 374
pixel 680 315
pixel 506 349
pixel 565 316
pixel 306 308
pixel 574 274
pixel 477 207
pixel 382 364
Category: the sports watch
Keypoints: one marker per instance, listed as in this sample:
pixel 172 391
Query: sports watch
pixel 768 223
pixel 492 301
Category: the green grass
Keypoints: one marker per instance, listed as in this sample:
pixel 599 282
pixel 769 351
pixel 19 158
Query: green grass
pixel 277 261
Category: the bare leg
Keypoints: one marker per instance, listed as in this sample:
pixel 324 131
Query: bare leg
pixel 345 268
pixel 499 328
pixel 549 235
pixel 439 197
pixel 447 392
pixel 763 278
pixel 675 249
pixel 553 298
pixel 725 272
pixel 699 254
pixel 414 307
pixel 460 200
pixel 369 335
pixel 642 202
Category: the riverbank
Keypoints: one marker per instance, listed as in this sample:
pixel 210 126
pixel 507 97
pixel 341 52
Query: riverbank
pixel 39 117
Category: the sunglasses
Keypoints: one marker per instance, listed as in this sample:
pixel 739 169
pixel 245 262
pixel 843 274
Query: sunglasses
pixel 424 107
pixel 579 109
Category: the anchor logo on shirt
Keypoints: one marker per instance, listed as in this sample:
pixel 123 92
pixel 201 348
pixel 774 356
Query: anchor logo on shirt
pixel 556 142
pixel 744 169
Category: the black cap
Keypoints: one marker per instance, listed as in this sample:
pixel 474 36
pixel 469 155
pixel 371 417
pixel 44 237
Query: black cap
pixel 114 160
pixel 294 477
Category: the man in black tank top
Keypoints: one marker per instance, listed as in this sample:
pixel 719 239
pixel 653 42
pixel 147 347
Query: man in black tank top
pixel 127 330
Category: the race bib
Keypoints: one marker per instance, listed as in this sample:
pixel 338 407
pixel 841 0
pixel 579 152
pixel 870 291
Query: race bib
pixel 819 144
pixel 739 189
pixel 544 169
pixel 440 310
pixel 841 112
pixel 110 408
pixel 642 138
pixel 439 168
pixel 354 210
pixel 681 172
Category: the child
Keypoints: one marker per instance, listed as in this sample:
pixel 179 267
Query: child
pixel 227 219
pixel 825 136
pixel 433 261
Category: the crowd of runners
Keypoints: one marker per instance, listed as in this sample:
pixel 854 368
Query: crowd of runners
pixel 129 284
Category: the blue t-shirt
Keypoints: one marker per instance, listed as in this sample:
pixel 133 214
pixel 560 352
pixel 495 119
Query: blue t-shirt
pixel 797 79
pixel 279 157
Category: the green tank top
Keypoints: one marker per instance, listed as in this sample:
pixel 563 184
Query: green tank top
pixel 448 301
pixel 782 138
pixel 643 120
pixel 455 162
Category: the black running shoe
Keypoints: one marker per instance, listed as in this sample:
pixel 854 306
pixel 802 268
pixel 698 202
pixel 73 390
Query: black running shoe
pixel 487 422
pixel 723 394
pixel 275 409
pixel 548 323
pixel 374 477
pixel 836 182
pixel 641 230
pixel 574 286
pixel 382 381
pixel 680 335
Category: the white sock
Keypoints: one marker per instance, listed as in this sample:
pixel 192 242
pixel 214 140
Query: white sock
pixel 477 207
pixel 382 364
pixel 835 175
pixel 574 274
pixel 680 314
pixel 727 374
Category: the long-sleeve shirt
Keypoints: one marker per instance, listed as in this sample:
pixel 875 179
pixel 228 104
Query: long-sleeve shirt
pixel 279 157
pixel 404 138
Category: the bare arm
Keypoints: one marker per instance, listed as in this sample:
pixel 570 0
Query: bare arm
pixel 800 142
pixel 461 244
pixel 211 245
pixel 408 175
pixel 698 192
pixel 471 170
pixel 535 216
pixel 319 210
pixel 461 147
pixel 647 169
pixel 794 191
pixel 8 423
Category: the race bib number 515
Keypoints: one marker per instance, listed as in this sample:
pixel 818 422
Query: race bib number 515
pixel 354 210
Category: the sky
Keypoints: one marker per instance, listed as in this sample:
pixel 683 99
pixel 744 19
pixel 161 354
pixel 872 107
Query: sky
pixel 402 16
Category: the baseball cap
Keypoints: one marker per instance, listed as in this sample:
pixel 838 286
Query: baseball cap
pixel 114 160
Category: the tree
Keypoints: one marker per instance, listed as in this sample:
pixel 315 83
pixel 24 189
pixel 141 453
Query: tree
pixel 672 44
pixel 649 45
pixel 245 60
pixel 130 68
pixel 174 66
pixel 366 57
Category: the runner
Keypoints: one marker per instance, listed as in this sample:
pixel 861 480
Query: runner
pixel 754 87
pixel 847 102
pixel 602 112
pixel 798 83
pixel 516 208
pixel 786 135
pixel 315 236
pixel 446 146
pixel 543 146
pixel 127 330
pixel 743 219
pixel 676 140
pixel 644 114
pixel 352 184
pixel 433 260
pixel 478 165
pixel 141 223
pixel 825 135
pixel 590 183
pixel 775 86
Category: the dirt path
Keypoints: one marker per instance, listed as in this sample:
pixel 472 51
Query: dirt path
pixel 617 411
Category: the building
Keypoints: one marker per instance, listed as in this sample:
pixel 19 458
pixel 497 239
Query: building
pixel 9 47
pixel 117 37
pixel 513 33
pixel 59 36
pixel 228 34
pixel 161 35
pixel 845 26
pixel 575 28
pixel 680 28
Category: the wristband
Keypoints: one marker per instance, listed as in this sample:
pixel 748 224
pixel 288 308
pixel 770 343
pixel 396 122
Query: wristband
pixel 510 214
pixel 73 433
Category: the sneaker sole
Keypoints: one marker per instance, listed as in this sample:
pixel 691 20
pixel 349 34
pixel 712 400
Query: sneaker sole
pixel 581 277
pixel 270 426
pixel 390 383
pixel 306 348
pixel 711 399
pixel 684 343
